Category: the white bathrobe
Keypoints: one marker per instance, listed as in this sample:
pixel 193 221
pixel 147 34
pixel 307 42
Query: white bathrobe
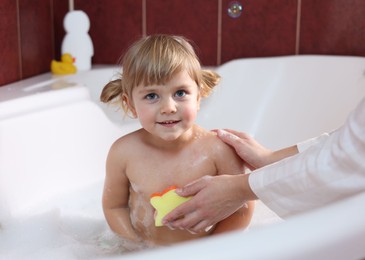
pixel 327 169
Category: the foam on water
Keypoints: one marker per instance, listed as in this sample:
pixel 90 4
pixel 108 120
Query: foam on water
pixel 71 226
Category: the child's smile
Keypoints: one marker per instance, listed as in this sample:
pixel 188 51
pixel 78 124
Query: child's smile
pixel 170 123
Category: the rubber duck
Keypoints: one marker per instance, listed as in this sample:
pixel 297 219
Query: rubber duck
pixel 65 66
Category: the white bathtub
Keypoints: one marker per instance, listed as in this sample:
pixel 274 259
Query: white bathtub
pixel 54 137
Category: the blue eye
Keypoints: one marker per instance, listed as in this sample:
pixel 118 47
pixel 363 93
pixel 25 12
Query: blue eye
pixel 180 93
pixel 151 96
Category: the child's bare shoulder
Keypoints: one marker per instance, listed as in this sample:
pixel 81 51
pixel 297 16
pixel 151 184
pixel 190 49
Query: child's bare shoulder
pixel 224 155
pixel 127 141
pixel 211 138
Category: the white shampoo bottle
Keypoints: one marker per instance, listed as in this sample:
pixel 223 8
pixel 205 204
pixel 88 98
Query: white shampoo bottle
pixel 77 40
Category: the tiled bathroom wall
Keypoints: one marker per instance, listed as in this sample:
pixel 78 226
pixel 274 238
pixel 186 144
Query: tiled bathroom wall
pixel 31 31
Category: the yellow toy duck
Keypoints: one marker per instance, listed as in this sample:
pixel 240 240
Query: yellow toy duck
pixel 65 66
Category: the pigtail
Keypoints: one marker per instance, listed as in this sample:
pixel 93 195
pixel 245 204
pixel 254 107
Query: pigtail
pixel 111 91
pixel 210 79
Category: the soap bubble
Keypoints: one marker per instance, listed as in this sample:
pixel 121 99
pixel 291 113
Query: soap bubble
pixel 234 9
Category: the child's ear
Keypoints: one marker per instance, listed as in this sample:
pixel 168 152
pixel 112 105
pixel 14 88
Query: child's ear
pixel 129 104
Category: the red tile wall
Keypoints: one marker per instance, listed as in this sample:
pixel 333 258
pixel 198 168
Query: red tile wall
pixel 35 36
pixel 195 19
pixel 265 28
pixel 60 8
pixel 114 25
pixel 31 31
pixel 9 47
pixel 333 27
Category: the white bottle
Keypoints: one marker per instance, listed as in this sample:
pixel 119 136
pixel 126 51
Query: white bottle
pixel 77 41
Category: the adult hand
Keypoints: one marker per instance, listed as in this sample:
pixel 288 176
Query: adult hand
pixel 254 154
pixel 215 198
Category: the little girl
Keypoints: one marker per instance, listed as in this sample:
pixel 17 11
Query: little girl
pixel 161 84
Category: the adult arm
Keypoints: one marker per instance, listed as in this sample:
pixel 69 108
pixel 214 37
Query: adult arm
pixel 253 153
pixel 331 170
pixel 209 206
pixel 333 167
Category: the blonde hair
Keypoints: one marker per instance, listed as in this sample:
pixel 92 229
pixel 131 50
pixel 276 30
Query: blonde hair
pixel 155 60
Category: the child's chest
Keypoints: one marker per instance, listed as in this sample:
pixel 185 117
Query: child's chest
pixel 154 172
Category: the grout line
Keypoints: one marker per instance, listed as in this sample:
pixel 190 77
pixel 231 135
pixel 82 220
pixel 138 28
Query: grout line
pixel 71 5
pixel 219 33
pixel 297 37
pixel 19 41
pixel 144 18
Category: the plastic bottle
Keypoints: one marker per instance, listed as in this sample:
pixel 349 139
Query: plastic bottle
pixel 77 41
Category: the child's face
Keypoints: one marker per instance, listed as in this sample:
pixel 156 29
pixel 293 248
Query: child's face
pixel 167 111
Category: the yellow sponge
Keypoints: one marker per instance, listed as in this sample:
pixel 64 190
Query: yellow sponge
pixel 164 202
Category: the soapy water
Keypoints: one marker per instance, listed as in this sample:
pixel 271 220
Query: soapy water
pixel 72 226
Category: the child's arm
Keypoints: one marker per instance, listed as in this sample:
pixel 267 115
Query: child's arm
pixel 229 163
pixel 240 219
pixel 116 195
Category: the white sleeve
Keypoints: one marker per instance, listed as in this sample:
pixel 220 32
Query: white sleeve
pixel 302 146
pixel 328 171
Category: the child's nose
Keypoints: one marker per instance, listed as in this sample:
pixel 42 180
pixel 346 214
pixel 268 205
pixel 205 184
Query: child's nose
pixel 168 106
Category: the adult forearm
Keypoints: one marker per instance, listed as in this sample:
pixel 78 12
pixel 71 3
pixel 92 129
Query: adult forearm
pixel 282 154
pixel 328 171
pixel 243 185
